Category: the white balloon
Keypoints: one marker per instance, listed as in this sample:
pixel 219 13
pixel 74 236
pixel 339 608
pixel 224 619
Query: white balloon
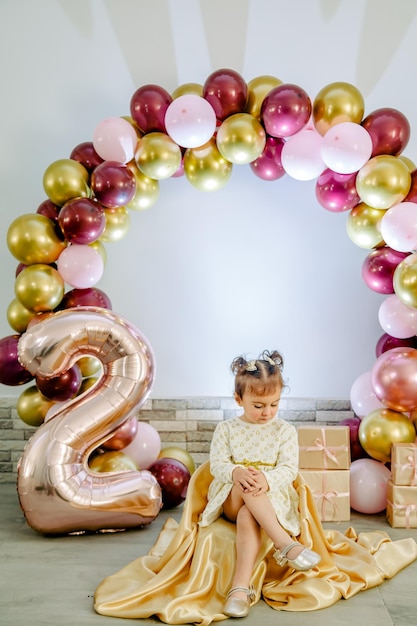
pixel 399 227
pixel 346 147
pixel 190 121
pixel 301 155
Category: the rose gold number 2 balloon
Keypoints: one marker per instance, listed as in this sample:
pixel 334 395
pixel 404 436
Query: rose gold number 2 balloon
pixel 58 492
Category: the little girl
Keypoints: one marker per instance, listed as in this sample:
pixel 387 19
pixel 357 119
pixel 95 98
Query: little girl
pixel 254 461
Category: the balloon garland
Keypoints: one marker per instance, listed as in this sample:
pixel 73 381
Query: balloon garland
pixel 201 132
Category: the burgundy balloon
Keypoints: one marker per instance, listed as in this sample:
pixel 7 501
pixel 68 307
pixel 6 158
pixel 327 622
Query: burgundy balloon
pixel 378 269
pixel 122 436
pixel 148 106
pixel 173 478
pixel 285 110
pixel 92 296
pixel 356 450
pixel 268 166
pixel 389 130
pixel 337 192
pixel 62 387
pixel 82 220
pixel 227 92
pixel 85 154
pixel 387 342
pixel 11 371
pixel 113 184
pixel 49 209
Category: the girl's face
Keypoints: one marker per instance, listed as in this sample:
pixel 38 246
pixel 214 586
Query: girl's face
pixel 259 409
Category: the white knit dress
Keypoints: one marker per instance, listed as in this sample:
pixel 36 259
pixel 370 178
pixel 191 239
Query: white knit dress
pixel 272 448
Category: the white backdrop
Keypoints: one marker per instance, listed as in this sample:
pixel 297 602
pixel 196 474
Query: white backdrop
pixel 208 276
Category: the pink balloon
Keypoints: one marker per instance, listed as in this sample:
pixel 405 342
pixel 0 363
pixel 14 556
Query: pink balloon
pixel 268 166
pixel 399 226
pixel 115 139
pixel 113 184
pixel 80 266
pixel 394 379
pixel 368 486
pixel 144 449
pixel 148 106
pixel 337 192
pixel 286 110
pixel 301 156
pixel 346 147
pixel 190 121
pixel 362 396
pixel 386 342
pixel 389 130
pixel 378 269
pixel 397 319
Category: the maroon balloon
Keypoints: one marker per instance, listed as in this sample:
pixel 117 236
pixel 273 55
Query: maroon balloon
pixel 82 220
pixel 92 296
pixel 62 387
pixel 337 192
pixel 85 154
pixel 389 130
pixel 378 269
pixel 113 184
pixel 173 478
pixel 285 110
pixel 148 106
pixel 386 342
pixel 49 209
pixel 11 371
pixel 412 193
pixel 227 92
pixel 268 166
pixel 356 450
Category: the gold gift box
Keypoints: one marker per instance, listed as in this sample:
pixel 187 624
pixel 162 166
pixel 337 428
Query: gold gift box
pixel 331 492
pixel 327 447
pixel 404 464
pixel 401 506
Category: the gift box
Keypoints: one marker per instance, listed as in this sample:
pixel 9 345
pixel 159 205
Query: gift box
pixel 404 464
pixel 327 447
pixel 331 492
pixel 401 505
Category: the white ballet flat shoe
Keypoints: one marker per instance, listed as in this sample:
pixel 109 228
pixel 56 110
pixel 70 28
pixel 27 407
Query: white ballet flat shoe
pixel 307 559
pixel 238 607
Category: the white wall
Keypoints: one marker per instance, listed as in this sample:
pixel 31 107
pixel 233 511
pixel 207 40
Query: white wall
pixel 207 276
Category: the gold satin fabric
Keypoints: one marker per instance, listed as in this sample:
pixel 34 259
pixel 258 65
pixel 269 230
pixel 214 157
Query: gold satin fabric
pixel 185 576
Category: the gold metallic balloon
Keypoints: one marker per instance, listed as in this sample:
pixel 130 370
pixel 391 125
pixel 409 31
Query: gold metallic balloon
pixel 158 156
pixel 32 238
pixel 205 167
pixel 409 163
pixel 58 492
pixel 99 247
pixel 112 461
pixel 39 288
pixel 19 316
pixel 147 189
pixel 362 226
pixel 241 138
pixel 87 383
pixel 383 181
pixel 188 89
pixel 32 406
pixel 89 365
pixel 64 180
pixel 179 454
pixel 405 280
pixel 117 224
pixel 337 102
pixel 132 122
pixel 258 89
pixel 380 429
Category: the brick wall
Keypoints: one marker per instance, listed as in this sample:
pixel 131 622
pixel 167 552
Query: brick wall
pixel 184 422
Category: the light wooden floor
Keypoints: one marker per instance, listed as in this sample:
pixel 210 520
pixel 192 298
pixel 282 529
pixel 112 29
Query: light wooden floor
pixel 46 580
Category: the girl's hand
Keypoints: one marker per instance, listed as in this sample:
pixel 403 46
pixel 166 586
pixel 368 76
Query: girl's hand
pixel 250 480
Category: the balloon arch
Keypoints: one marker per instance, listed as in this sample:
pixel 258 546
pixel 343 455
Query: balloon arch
pixel 200 132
